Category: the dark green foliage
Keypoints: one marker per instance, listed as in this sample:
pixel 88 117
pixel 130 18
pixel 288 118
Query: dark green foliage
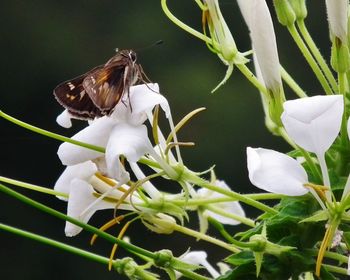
pixel 285 229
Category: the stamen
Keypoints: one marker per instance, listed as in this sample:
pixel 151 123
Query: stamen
pixel 115 246
pixel 155 125
pixel 182 144
pixel 321 252
pixel 320 189
pixel 109 181
pixel 124 196
pixel 182 122
pixel 106 226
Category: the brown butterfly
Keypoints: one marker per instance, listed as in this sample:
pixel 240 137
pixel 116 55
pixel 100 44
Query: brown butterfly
pixel 97 92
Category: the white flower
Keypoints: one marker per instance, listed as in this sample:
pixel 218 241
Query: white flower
pixel 82 171
pixel 198 258
pixel 313 123
pixel 276 172
pixel 79 205
pixel 258 18
pixel 221 211
pixel 121 134
pixel 127 140
pixel 337 11
pixel 79 183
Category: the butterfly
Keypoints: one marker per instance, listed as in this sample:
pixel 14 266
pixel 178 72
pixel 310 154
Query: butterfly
pixel 96 93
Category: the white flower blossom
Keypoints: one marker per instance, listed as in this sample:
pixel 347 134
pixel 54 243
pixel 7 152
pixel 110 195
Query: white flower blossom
pixel 258 18
pixel 337 11
pixel 231 207
pixel 198 258
pixel 121 134
pixel 313 123
pixel 276 172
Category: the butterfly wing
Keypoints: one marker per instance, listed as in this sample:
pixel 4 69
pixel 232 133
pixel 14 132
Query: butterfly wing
pixel 72 96
pixel 106 86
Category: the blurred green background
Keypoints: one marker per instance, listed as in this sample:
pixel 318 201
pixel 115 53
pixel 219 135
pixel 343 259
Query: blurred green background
pixel 46 42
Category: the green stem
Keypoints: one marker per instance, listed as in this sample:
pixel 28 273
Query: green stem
pixel 314 170
pixel 192 178
pixel 192 275
pixel 292 84
pixel 203 201
pixel 305 51
pixel 330 255
pixel 51 134
pixel 317 54
pixel 342 91
pixel 232 216
pixel 56 244
pixel 89 228
pixel 183 25
pixel 32 187
pixel 252 78
pixel 336 269
pixel 264 196
pixel 205 237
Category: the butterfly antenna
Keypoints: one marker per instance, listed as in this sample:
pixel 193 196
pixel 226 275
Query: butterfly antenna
pixel 159 42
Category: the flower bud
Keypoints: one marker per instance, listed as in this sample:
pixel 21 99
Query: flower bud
pixel 285 12
pixel 299 7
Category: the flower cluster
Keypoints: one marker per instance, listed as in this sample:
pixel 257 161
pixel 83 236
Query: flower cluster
pixel 124 162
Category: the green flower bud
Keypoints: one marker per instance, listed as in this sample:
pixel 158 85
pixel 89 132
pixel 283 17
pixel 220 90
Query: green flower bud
pixel 285 13
pixel 163 258
pixel 299 7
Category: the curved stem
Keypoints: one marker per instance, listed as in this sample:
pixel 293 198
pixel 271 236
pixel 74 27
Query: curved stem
pixel 317 54
pixel 252 78
pixel 305 51
pixel 32 187
pixel 183 25
pixel 55 243
pixel 291 83
pixel 128 246
pixel 232 216
pixel 50 134
pixel 205 237
pixel 192 178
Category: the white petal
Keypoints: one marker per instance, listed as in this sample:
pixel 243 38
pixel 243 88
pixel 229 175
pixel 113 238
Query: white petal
pixel 64 119
pixel 199 258
pixel 130 141
pixel 80 198
pixel 258 18
pixel 337 11
pixel 232 207
pixel 81 171
pixel 97 134
pixel 276 172
pixel 313 122
pixel 142 98
pixel 246 9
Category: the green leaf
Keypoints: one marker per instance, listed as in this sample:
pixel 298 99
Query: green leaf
pixel 240 258
pixel 321 215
